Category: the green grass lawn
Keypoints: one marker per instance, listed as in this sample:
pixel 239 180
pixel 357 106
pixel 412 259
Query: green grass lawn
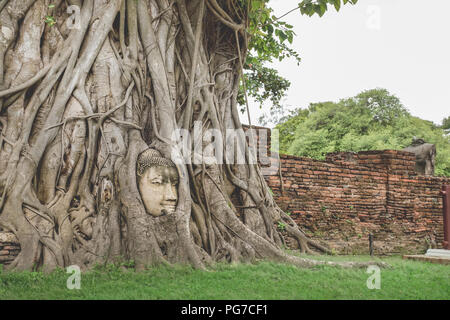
pixel 405 280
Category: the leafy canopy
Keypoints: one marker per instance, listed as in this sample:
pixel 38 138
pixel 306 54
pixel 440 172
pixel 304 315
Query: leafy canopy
pixel 372 120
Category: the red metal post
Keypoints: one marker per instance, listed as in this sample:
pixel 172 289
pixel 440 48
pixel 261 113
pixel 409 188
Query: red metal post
pixel 446 197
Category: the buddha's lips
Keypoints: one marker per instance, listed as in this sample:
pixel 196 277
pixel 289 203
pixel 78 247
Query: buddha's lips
pixel 169 207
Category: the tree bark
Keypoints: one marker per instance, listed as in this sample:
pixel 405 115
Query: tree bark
pixel 79 103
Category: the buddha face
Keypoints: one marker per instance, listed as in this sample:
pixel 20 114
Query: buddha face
pixel 158 189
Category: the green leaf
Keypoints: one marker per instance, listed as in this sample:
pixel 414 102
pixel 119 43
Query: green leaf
pixel 337 4
pixel 318 10
pixel 323 9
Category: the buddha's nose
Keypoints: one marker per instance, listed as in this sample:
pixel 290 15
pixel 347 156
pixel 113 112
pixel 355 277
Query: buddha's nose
pixel 170 192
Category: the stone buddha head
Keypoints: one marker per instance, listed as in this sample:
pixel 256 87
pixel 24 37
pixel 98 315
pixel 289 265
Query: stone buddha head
pixel 157 180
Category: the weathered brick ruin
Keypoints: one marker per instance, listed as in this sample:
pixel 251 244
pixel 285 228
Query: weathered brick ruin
pixel 341 200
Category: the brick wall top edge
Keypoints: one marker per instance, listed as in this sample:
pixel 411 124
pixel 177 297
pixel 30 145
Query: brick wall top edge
pixel 372 152
pixel 340 165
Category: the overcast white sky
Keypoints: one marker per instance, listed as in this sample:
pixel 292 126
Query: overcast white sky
pixel 400 45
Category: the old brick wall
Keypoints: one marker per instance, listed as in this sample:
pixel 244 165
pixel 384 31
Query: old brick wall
pixel 338 204
pixel 341 200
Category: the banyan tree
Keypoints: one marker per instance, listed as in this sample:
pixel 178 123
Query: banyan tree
pixel 95 97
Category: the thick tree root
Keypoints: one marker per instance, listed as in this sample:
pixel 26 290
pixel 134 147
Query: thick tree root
pixel 78 105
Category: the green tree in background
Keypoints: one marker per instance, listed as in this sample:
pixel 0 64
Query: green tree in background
pixel 372 120
pixel 446 123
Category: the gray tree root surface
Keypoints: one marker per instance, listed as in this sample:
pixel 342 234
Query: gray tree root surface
pixel 82 95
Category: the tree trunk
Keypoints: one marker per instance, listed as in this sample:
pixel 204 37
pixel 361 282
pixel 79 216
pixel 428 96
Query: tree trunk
pixel 84 94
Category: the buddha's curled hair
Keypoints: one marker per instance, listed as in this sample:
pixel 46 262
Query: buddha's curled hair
pixel 151 158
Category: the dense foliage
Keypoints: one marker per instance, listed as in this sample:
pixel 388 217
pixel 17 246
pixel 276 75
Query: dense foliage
pixel 372 120
pixel 446 123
